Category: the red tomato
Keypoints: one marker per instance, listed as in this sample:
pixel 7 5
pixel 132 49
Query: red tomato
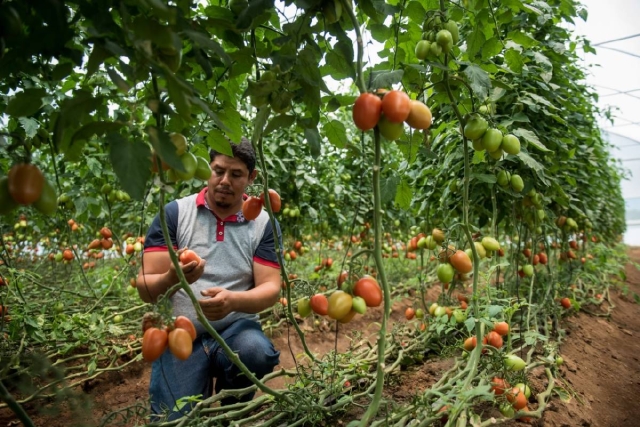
pixel 67 254
pixel 470 343
pixel 543 258
pixel 342 277
pixel 409 313
pixel 106 243
pixel 106 233
pixel 461 262
pixel 95 244
pixel 251 208
pixel 25 183
pixel 517 398
pixel 493 339
pixel 274 199
pixel 185 323
pixel 366 111
pixel 319 304
pixel 180 343
pixel 501 328
pixel 566 302
pixel 154 343
pixel 498 385
pixel 396 106
pixel 188 256
pixel 367 288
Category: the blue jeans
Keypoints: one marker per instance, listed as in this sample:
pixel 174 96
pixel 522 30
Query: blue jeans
pixel 173 379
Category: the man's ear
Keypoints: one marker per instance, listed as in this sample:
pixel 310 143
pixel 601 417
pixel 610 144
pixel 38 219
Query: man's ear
pixel 253 175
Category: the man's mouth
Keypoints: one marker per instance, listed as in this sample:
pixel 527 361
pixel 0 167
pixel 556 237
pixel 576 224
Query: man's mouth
pixel 222 191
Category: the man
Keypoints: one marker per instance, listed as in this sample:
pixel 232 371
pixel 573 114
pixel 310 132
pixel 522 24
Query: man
pixel 238 277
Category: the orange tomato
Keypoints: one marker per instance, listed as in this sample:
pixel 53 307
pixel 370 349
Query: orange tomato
pixel 461 262
pixel 154 343
pixel 366 111
pixel 188 256
pixel 396 106
pixel 274 199
pixel 319 304
pixel 185 323
pixel 180 343
pixel 25 183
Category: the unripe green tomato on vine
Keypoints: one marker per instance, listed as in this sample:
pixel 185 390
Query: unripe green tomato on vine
pixel 423 49
pixel 452 27
pixel 390 130
pixel 517 184
pixel 444 40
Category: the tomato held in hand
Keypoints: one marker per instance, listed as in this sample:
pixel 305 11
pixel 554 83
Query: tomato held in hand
pixel 154 343
pixel 366 111
pixel 251 208
pixel 188 256
pixel 25 183
pixel 180 343
pixel 396 106
pixel 274 199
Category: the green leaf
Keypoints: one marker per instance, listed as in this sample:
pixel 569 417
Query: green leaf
pixel 478 157
pixel 478 80
pixel 336 133
pixel 164 147
pixel 26 103
pixel 217 141
pixel 404 194
pixel 313 139
pixel 96 58
pixel 530 161
pixel 380 33
pixel 307 67
pixel 61 71
pixel 531 138
pixel 29 125
pixel 522 39
pixel 386 79
pixel 562 394
pixel 491 48
pixel 279 122
pixel 131 162
pixel 484 177
pixel 475 41
pixel 514 60
pixel 212 46
pixel 179 95
pixel 414 11
pixel 388 188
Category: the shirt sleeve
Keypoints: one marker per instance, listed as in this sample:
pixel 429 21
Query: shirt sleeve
pixel 266 252
pixel 154 241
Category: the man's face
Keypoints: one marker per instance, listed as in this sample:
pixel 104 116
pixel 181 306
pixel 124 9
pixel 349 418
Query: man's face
pixel 229 180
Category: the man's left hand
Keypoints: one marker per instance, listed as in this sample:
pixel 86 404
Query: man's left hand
pixel 219 303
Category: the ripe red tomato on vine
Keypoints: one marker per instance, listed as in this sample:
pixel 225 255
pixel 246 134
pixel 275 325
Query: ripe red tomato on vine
pixel 251 208
pixel 396 106
pixel 366 111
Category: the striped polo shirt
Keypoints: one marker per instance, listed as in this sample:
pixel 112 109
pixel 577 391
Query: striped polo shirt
pixel 230 246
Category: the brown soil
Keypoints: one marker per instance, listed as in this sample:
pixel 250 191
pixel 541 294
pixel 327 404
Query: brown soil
pixel 601 370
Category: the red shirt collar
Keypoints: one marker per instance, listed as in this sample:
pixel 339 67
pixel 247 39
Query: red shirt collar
pixel 201 201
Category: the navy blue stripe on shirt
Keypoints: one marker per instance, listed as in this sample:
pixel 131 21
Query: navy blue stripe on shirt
pixel 154 238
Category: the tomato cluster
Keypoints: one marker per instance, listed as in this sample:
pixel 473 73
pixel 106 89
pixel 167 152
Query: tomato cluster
pixel 194 166
pixel 438 38
pixel 178 338
pixel 343 305
pixel 252 206
pixel 389 110
pixel 26 185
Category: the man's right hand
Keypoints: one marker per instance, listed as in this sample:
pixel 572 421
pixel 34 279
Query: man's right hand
pixel 192 270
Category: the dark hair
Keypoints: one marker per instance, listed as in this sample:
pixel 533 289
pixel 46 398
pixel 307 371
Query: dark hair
pixel 243 151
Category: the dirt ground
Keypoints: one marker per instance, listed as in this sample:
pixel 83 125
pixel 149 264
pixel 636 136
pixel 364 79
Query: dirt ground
pixel 601 370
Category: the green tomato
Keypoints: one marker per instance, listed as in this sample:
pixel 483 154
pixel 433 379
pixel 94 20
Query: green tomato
pixel 47 203
pixel 58 257
pixel 559 360
pixel 118 317
pixel 507 410
pixel 203 169
pixel 475 127
pixel 477 144
pixel 304 307
pixel 445 40
pixel 59 307
pixel 190 164
pixel 131 291
pixel 503 178
pixel 423 49
pixel 359 305
pixel 482 252
pixel 106 189
pixel 420 313
pixel 459 315
pixel 511 144
pixel 445 272
pixel 435 49
pixel 492 139
pixel 452 27
pixel 528 270
pixel 440 311
pixel 517 184
pixel 514 363
pixel 390 130
pixel 490 243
